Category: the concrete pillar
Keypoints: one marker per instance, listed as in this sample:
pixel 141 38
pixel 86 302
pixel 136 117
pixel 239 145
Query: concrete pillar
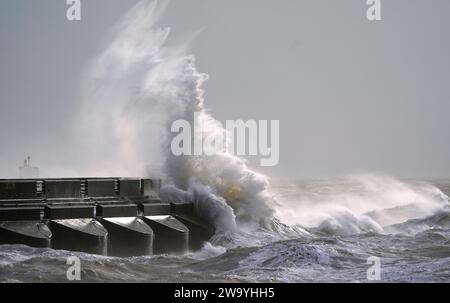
pixel 199 231
pixel 31 233
pixel 171 236
pixel 127 234
pixel 81 233
pixel 86 235
pixel 22 225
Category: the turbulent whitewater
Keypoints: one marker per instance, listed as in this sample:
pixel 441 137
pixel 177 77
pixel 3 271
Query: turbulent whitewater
pixel 285 231
pixel 332 250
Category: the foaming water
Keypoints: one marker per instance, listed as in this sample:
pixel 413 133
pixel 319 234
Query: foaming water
pixel 357 204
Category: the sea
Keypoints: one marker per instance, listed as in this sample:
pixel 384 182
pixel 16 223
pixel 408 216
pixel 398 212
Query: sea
pixel 363 229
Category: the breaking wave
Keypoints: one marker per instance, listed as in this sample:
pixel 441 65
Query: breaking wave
pixel 141 82
pixel 357 204
pixel 133 91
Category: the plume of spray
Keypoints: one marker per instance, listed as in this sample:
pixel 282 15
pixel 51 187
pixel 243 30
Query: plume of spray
pixel 132 92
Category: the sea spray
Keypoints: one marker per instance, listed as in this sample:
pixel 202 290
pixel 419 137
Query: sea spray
pixel 132 92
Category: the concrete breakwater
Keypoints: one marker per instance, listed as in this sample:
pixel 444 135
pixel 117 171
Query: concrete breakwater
pixel 106 216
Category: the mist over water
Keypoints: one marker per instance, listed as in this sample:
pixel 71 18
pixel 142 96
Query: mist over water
pixel 356 204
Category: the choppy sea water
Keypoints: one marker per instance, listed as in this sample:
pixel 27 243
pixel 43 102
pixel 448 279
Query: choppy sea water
pixel 325 232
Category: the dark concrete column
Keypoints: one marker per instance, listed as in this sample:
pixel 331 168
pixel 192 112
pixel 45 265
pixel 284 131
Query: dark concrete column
pixel 80 233
pixel 171 236
pixel 127 234
pixel 199 230
pixel 31 233
pixel 86 235
pixel 22 225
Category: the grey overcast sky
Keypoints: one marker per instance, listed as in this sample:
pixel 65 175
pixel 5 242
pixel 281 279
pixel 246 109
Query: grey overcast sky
pixel 351 95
